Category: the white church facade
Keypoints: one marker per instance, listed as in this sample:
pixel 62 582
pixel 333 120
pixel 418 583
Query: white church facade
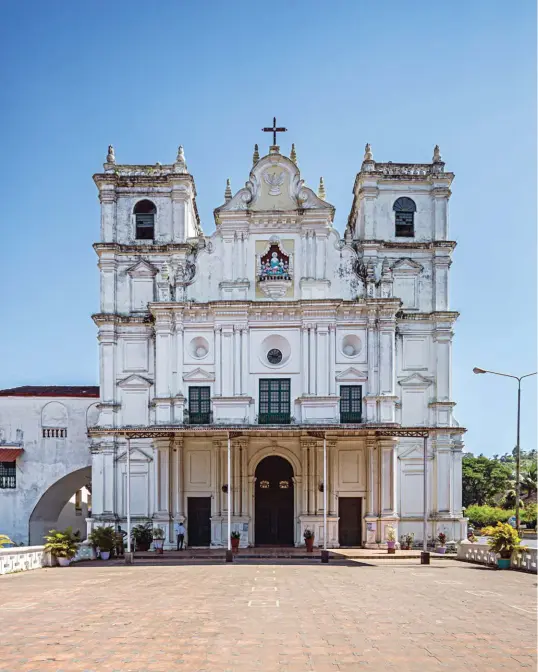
pixel 277 330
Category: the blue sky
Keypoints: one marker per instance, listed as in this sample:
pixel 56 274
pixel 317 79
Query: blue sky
pixel 149 76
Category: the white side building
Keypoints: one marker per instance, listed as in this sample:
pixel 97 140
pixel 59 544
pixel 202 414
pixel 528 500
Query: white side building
pixel 274 327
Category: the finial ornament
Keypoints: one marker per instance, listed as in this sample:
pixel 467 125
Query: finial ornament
pixel 293 154
pixel 256 155
pixel 321 189
pixel 111 157
pixel 228 191
pixel 436 155
pixel 368 156
pixel 181 164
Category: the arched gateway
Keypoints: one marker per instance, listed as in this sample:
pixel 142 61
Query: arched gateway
pixel 274 502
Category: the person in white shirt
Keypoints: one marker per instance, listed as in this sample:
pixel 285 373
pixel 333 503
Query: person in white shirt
pixel 179 529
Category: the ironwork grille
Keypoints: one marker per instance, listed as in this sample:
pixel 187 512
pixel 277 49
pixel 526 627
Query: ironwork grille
pixel 199 405
pixel 145 227
pixel 405 224
pixel 351 403
pixel 8 475
pixel 274 401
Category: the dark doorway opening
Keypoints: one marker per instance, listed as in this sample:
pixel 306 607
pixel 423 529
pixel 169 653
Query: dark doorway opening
pixel 350 523
pixel 274 502
pixel 199 521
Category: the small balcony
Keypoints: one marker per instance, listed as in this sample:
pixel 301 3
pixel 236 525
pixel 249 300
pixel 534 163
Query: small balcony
pixel 191 418
pixel 351 418
pixel 274 419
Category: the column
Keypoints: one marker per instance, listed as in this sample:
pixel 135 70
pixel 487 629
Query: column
pixel 177 477
pixel 107 196
pixel 313 375
pixel 98 480
pixel 332 471
pixel 180 204
pixel 442 340
pixel 179 355
pixel 371 459
pixel 440 212
pixel 107 275
pixel 312 485
pixel 322 367
pixel 387 366
pixel 218 360
pixel 236 476
pixel 244 360
pixel 228 261
pixel 305 471
pixel 310 253
pixel 243 508
pixel 305 356
pixel 107 347
pixel 227 361
pixel 388 476
pixel 441 266
pixel 237 360
pixel 109 477
pixel 218 477
pixel 332 359
pixel 371 399
pixel 163 324
pixel 457 454
pixel 304 270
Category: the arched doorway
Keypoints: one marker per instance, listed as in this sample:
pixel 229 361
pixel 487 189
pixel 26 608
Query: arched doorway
pixel 47 510
pixel 274 502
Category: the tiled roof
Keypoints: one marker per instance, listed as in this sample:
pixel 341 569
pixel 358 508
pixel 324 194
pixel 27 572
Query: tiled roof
pixel 10 454
pixel 52 391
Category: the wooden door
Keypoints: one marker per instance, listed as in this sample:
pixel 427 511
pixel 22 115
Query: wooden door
pixel 274 513
pixel 199 521
pixel 350 522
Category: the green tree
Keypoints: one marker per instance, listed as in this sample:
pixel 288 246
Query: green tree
pixel 529 484
pixel 483 479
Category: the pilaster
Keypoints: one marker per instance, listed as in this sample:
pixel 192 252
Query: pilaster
pixel 107 197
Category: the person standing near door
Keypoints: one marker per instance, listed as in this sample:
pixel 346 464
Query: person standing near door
pixel 180 534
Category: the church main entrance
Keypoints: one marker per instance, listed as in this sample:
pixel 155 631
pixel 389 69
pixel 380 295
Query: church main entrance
pixel 274 502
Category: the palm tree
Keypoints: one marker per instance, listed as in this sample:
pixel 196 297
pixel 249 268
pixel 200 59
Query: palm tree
pixel 529 478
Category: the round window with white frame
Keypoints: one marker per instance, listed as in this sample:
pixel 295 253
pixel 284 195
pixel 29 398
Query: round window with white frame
pixel 274 351
pixel 351 346
pixel 199 347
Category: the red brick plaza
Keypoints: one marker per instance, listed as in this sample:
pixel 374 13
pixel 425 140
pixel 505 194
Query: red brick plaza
pixel 287 615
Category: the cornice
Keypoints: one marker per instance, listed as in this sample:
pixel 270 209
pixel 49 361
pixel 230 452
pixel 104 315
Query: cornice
pixel 408 245
pixel 153 248
pixel 436 316
pixel 102 319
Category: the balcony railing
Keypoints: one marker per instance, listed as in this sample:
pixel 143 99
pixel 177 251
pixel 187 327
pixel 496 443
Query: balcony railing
pixel 354 418
pixel 8 482
pixel 274 419
pixel 190 418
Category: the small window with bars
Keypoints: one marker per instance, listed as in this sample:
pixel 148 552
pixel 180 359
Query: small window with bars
pixel 351 403
pixel 274 408
pixel 8 475
pixel 54 432
pixel 404 213
pixel 199 405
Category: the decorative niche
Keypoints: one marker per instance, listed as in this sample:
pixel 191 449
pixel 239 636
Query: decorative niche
pixel 274 268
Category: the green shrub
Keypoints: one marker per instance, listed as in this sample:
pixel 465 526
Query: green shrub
pixel 62 544
pixel 503 539
pixel 528 514
pixel 484 516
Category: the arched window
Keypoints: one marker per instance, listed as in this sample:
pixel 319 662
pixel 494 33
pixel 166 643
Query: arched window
pixel 144 212
pixel 405 209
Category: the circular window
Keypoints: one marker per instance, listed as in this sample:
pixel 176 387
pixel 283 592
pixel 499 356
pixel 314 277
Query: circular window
pixel 351 345
pixel 274 356
pixel 199 347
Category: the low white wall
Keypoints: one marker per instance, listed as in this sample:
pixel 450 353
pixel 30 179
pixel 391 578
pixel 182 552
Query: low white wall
pixel 23 558
pixel 480 553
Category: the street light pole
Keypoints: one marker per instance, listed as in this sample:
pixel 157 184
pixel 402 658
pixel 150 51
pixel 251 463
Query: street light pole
pixel 518 450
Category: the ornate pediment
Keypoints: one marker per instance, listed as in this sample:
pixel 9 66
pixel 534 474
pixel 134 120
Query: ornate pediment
pixel 415 452
pixel 135 382
pixel 407 265
pixel 275 184
pixel 352 374
pixel 199 374
pixel 142 269
pixel 416 380
pixel 137 455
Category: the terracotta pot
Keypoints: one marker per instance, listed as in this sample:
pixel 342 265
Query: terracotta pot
pixel 235 544
pixel 309 541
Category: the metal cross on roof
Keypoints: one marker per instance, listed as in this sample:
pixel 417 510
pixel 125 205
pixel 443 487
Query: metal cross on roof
pixel 274 130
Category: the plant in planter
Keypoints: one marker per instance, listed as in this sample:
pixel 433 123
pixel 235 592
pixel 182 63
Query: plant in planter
pixel 5 541
pixel 235 538
pixel 158 539
pixel 309 540
pixel 441 538
pixel 62 545
pixel 391 538
pixel 142 536
pixel 406 541
pixel 104 539
pixel 504 540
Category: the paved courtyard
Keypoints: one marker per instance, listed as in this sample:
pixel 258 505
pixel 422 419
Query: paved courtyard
pixel 291 616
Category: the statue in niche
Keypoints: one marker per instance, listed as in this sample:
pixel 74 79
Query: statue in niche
pixel 274 265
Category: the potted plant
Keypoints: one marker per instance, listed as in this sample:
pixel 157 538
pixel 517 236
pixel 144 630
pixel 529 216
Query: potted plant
pixel 391 538
pixel 104 539
pixel 235 538
pixel 309 540
pixel 62 545
pixel 441 538
pixel 158 539
pixel 410 539
pixel 504 540
pixel 142 536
